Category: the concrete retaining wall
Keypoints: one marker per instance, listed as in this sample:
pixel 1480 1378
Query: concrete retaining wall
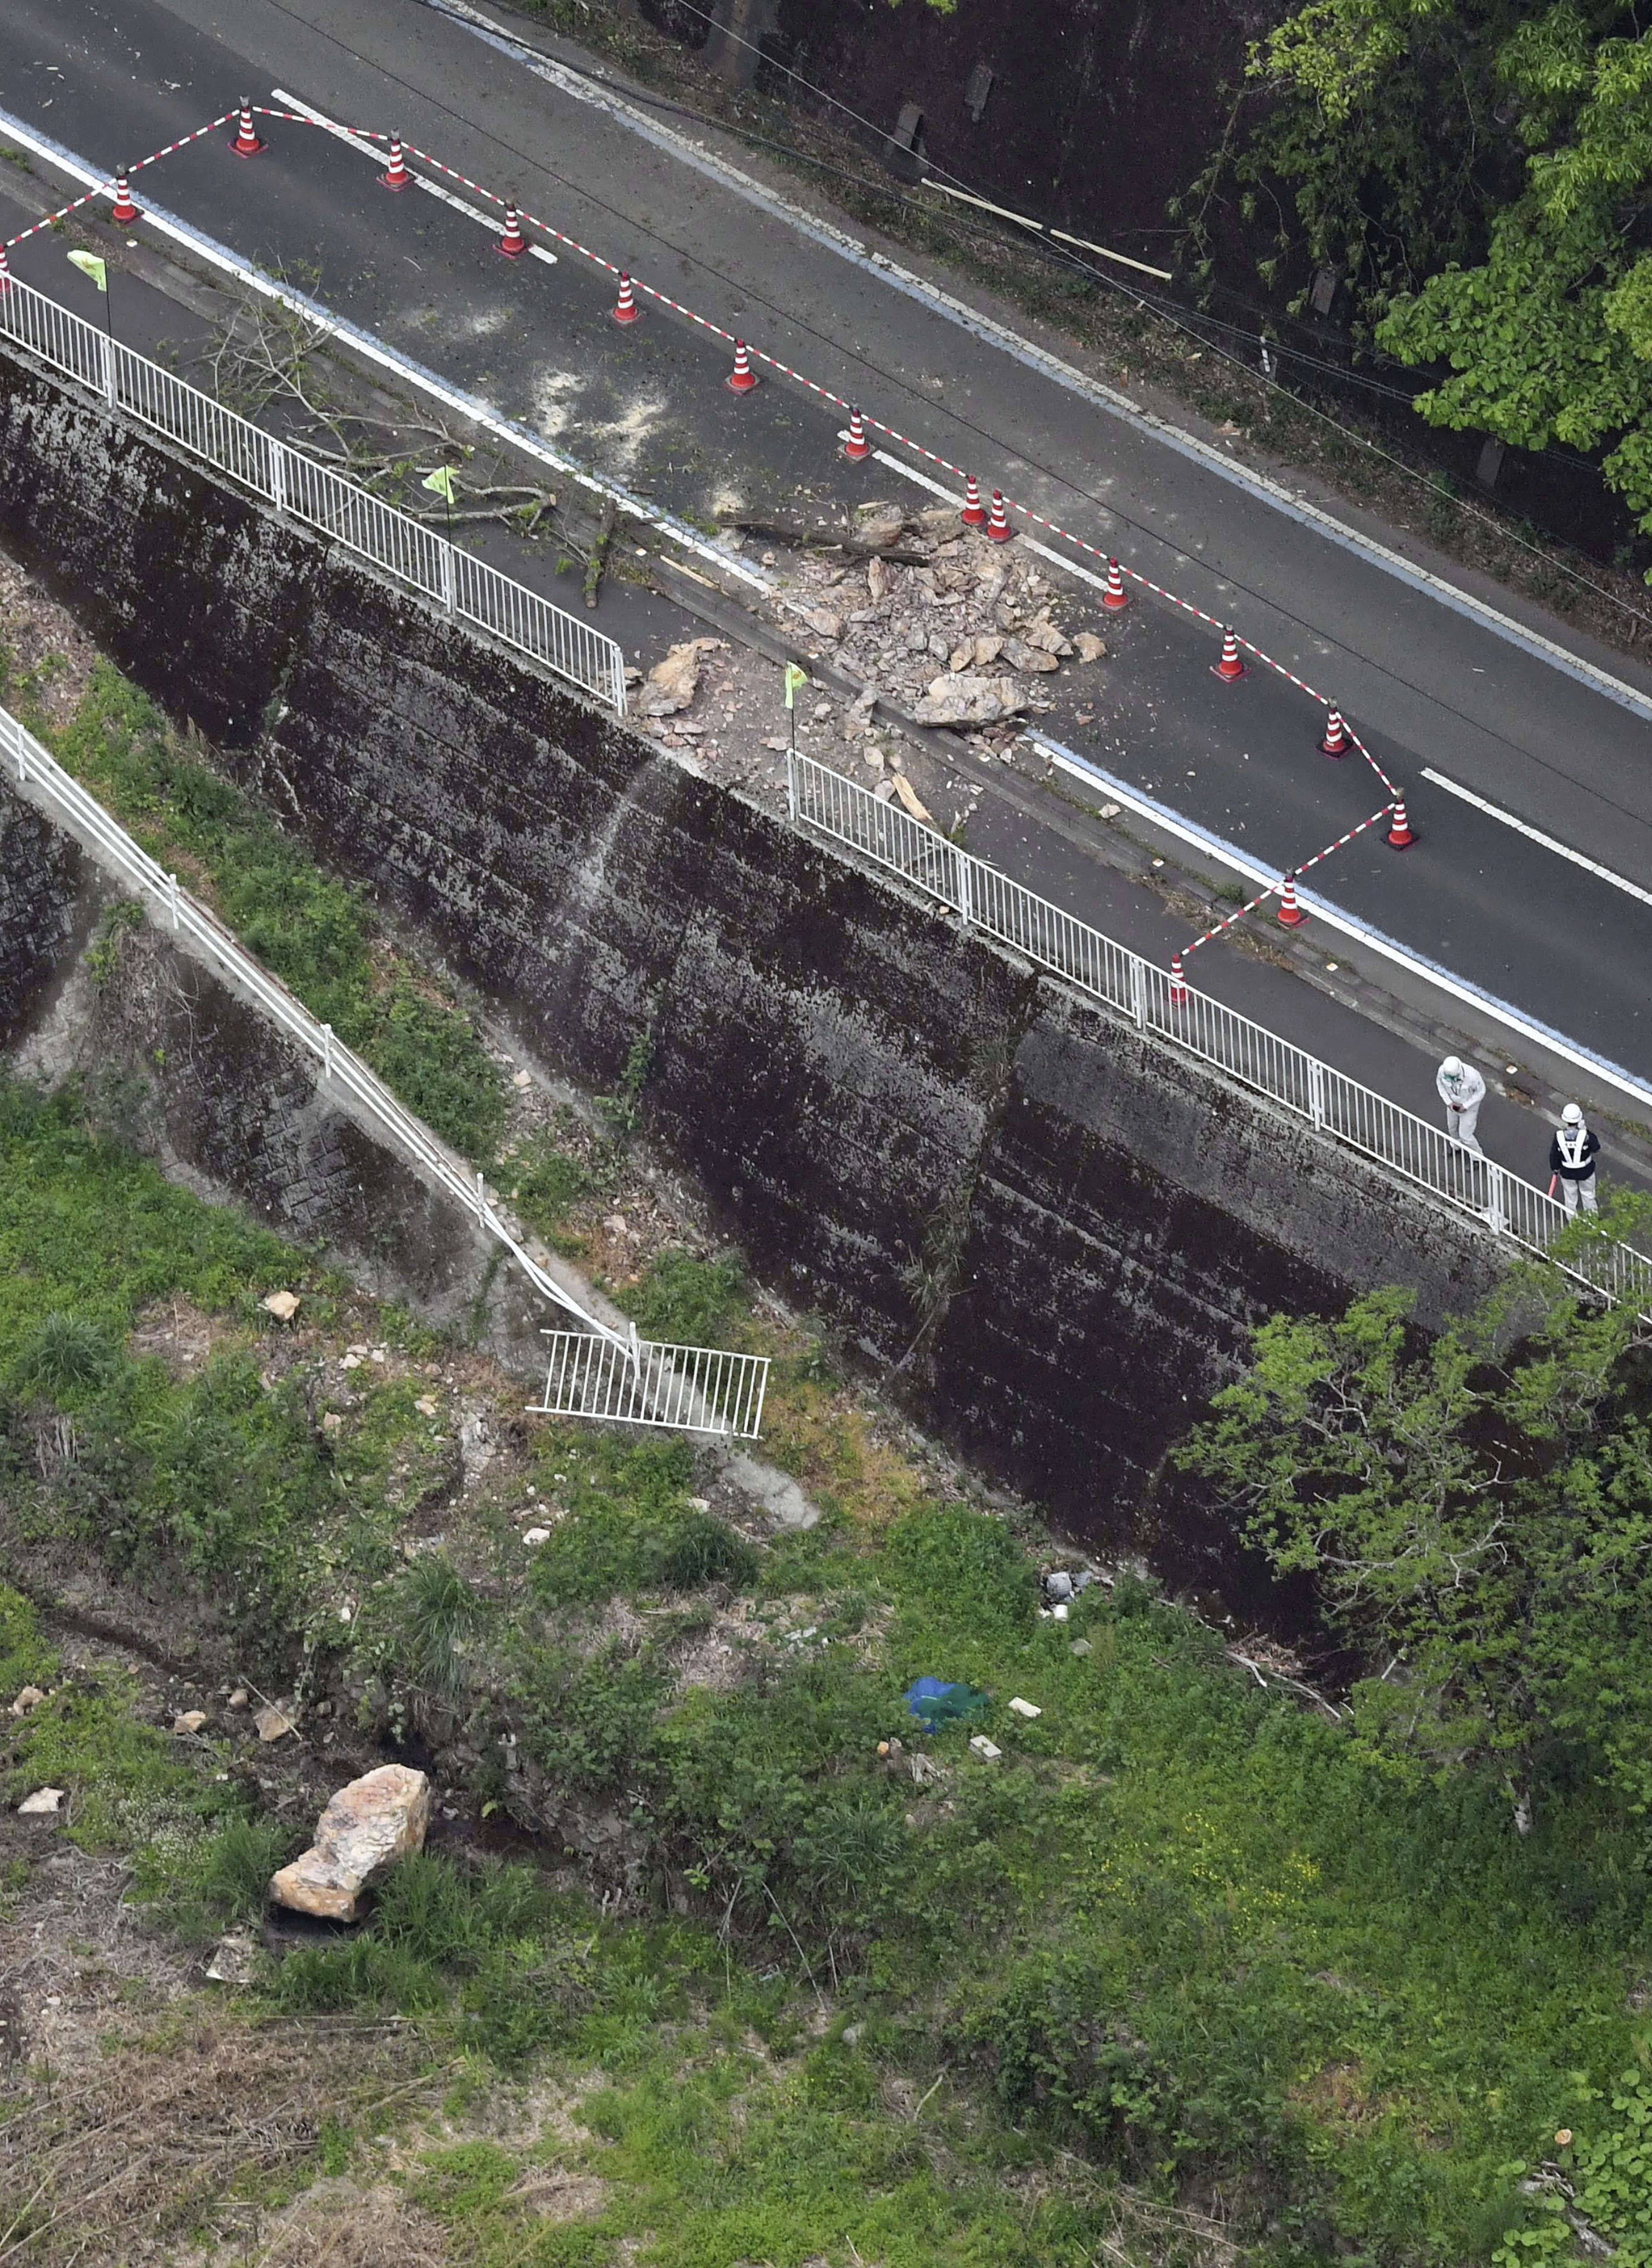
pixel 1055 1232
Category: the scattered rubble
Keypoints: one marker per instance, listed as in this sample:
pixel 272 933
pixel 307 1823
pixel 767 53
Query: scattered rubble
pixel 272 1724
pixel 365 1829
pixel 189 1720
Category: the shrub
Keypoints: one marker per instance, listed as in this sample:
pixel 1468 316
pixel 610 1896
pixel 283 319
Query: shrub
pixel 67 1355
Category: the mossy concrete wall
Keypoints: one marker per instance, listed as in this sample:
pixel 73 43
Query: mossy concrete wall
pixel 1053 1234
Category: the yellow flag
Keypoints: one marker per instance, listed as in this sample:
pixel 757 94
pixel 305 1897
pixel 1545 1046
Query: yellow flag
pixel 796 679
pixel 89 264
pixel 443 482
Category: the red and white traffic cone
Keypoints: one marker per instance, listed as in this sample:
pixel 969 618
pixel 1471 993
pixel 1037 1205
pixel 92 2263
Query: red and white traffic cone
pixel 247 143
pixel 397 175
pixel 974 513
pixel 1336 742
pixel 998 528
pixel 1230 669
pixel 1114 598
pixel 743 378
pixel 123 212
pixel 1400 835
pixel 1178 982
pixel 857 446
pixel 512 243
pixel 5 272
pixel 1290 914
pixel 625 309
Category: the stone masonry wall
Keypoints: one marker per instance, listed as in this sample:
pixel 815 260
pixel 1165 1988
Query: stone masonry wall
pixel 1053 1234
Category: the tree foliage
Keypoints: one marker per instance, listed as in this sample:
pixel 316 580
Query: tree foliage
pixel 1477 1514
pixel 1481 172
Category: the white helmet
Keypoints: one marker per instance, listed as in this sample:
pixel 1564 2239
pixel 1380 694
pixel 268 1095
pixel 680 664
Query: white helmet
pixel 1571 1115
pixel 1452 1067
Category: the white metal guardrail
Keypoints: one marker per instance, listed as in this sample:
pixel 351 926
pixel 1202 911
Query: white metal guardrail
pixel 701 1390
pixel 279 474
pixel 660 1385
pixel 1329 1101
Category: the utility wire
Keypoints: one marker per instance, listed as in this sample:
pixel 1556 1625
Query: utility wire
pixel 1167 311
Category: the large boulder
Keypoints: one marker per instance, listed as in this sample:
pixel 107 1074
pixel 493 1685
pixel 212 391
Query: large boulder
pixel 363 1830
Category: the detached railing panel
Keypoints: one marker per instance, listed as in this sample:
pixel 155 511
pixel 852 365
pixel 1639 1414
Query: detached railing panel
pixel 686 1389
pixel 317 494
pixel 1136 989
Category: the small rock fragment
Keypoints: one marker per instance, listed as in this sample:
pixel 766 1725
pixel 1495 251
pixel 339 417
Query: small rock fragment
pixel 426 1405
pixel 237 1699
pixel 523 1078
pixel 30 1697
pixel 1090 647
pixel 42 1801
pixel 189 1721
pixel 365 1829
pixel 235 1960
pixel 824 624
pixel 907 794
pixel 1026 1709
pixel 984 1748
pixel 1079 1648
pixel 283 1305
pixel 672 683
pixel 330 1421
pixel 272 1724
pixel 535 1535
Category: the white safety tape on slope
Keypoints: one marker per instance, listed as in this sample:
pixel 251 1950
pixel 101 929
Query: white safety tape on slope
pixel 1278 498
pixel 1459 988
pixel 374 350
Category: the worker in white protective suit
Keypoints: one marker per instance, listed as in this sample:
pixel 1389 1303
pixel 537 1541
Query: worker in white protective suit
pixel 1572 1163
pixel 1461 1090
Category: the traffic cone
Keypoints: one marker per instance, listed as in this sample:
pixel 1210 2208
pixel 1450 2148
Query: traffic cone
pixel 1178 985
pixel 1400 835
pixel 743 378
pixel 5 272
pixel 247 143
pixel 123 212
pixel 974 514
pixel 1290 914
pixel 857 446
pixel 1114 598
pixel 998 528
pixel 1230 669
pixel 396 176
pixel 512 243
pixel 625 309
pixel 1336 742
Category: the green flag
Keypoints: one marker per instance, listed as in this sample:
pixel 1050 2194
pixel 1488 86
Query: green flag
pixel 443 483
pixel 89 264
pixel 796 679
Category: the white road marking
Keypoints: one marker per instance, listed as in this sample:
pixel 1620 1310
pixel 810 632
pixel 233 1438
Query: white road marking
pixel 1459 988
pixel 1536 834
pixel 1281 499
pixel 489 221
pixel 373 350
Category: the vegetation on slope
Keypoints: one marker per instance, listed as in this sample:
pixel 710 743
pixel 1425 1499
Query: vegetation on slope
pixel 1189 1966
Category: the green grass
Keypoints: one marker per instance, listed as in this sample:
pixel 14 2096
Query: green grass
pixel 317 934
pixel 1184 1928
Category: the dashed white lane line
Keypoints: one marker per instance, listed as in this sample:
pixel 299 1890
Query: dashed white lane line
pixel 1536 834
pixel 489 221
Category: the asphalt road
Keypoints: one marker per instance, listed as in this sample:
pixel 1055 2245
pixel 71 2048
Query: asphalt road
pixel 1424 683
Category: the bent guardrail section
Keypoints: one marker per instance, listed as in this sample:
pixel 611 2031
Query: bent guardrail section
pixel 704 1390
pixel 1329 1101
pixel 279 474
